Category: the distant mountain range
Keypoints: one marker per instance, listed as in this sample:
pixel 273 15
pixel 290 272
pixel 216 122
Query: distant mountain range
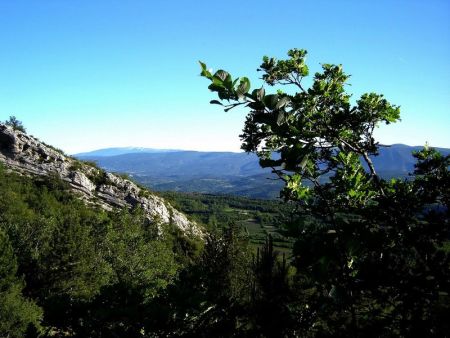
pixel 123 150
pixel 222 172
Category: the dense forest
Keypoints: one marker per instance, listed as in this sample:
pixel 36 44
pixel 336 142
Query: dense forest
pixel 67 267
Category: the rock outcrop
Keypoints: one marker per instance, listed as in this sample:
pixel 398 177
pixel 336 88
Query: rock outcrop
pixel 28 155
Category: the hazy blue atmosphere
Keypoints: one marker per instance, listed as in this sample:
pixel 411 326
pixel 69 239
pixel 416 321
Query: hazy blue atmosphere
pixel 91 74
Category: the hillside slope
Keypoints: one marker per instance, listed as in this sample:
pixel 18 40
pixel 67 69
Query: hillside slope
pixel 28 155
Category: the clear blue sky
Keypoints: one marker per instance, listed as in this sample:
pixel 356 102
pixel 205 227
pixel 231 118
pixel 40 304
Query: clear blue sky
pixel 89 74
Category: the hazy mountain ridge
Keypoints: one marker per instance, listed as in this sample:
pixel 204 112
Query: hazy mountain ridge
pixel 187 163
pixel 113 151
pixel 228 172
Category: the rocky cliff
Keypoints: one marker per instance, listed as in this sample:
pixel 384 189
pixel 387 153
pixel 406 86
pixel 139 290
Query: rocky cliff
pixel 28 155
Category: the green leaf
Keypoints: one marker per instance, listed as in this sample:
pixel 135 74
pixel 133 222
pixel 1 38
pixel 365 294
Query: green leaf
pixel 215 87
pixel 216 102
pixel 281 118
pixel 260 94
pixel 205 72
pixel 283 102
pixel 245 84
pixel 243 88
pixel 221 74
pixel 270 101
pixel 228 82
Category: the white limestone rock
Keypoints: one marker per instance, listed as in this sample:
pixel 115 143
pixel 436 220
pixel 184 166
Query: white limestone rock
pixel 26 154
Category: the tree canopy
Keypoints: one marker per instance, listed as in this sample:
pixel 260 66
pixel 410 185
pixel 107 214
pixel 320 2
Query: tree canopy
pixel 375 262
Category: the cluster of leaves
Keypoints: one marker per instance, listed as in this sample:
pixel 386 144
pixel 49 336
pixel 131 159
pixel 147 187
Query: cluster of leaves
pixel 374 264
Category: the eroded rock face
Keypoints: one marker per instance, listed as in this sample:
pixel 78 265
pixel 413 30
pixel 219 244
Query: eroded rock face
pixel 28 155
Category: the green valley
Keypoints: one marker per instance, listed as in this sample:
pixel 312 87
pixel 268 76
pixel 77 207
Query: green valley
pixel 259 218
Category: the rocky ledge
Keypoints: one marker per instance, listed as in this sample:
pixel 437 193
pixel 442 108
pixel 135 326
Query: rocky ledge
pixel 28 155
